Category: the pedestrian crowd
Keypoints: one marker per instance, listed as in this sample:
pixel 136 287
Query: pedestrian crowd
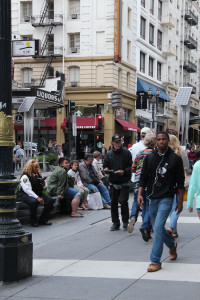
pixel 157 166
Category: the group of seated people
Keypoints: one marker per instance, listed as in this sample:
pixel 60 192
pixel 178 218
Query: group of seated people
pixel 71 182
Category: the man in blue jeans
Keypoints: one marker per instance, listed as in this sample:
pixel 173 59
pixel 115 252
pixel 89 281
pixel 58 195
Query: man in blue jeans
pixel 163 175
pixel 91 180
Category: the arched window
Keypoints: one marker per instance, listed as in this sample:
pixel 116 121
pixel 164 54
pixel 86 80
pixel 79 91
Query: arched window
pixel 128 81
pixel 120 78
pixel 100 75
pixel 74 76
pixel 26 77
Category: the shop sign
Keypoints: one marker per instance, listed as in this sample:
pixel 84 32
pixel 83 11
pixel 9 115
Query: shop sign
pixel 141 102
pixel 49 96
pixel 121 113
pixel 19 118
pixel 25 48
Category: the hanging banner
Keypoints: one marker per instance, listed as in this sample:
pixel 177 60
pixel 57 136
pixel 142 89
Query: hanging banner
pixel 141 102
pixel 117 30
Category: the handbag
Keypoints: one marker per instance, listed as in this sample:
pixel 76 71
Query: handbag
pixel 94 201
pixel 185 195
pixel 186 182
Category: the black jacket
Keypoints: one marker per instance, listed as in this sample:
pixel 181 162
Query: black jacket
pixel 162 175
pixel 119 160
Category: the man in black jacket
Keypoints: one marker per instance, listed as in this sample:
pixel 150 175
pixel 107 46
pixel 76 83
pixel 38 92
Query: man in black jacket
pixel 163 176
pixel 119 161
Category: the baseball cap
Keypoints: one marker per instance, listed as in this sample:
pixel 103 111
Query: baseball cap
pixel 145 130
pixel 116 137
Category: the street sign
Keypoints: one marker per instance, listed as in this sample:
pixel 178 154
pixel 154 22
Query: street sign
pixel 19 118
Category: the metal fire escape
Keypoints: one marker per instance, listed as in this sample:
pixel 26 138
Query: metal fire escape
pixel 48 20
pixel 190 44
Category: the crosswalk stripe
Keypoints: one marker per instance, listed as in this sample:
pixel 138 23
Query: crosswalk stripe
pixel 116 269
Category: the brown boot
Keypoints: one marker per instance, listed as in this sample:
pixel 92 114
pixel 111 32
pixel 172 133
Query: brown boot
pixel 153 268
pixel 172 253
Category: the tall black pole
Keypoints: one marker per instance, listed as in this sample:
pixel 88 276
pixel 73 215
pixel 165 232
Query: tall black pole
pixel 15 244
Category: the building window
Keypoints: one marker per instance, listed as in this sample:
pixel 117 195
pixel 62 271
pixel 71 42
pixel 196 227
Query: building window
pixel 50 72
pixel 26 11
pixel 159 40
pixel 128 80
pixel 26 37
pixel 142 27
pixel 100 75
pixel 74 43
pixel 142 62
pixel 151 34
pixel 74 9
pixel 50 44
pixel 158 71
pixel 150 66
pixel 27 77
pixel 143 3
pixel 159 10
pixel 152 7
pixel 129 17
pixel 100 42
pixel 120 78
pixel 74 76
pixel 128 50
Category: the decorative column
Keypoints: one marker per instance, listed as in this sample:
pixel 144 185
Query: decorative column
pixel 15 244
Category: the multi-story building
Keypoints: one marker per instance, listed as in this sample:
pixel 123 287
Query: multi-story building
pixel 108 45
pixel 167 58
pixel 94 45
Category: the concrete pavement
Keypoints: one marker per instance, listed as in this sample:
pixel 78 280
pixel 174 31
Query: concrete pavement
pixel 81 259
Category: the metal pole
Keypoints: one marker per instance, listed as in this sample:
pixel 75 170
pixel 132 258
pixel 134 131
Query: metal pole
pixel 153 116
pixel 15 243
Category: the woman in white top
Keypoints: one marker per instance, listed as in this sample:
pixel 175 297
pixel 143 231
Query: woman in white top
pixel 78 185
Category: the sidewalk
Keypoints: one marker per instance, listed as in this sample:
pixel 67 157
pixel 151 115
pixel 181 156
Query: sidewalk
pixel 81 259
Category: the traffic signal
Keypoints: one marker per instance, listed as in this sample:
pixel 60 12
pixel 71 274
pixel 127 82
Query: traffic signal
pixel 97 137
pixel 68 124
pixel 100 122
pixel 71 106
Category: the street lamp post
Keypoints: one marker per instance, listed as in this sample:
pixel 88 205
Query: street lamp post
pixel 15 244
pixel 153 100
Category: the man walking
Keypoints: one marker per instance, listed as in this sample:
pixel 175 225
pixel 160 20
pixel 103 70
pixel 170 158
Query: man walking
pixel 118 160
pixel 163 175
pixel 135 149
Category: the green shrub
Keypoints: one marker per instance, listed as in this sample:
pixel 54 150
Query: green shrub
pixel 51 158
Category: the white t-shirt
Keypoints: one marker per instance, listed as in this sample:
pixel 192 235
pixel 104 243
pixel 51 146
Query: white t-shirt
pixel 135 149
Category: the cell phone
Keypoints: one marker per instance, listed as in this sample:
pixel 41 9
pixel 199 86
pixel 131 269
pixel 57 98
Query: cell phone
pixel 108 171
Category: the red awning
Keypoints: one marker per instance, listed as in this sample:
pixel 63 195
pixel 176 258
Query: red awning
pixel 49 122
pixel 83 123
pixel 127 125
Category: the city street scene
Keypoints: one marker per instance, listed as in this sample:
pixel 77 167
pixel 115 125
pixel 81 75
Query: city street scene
pixel 99 149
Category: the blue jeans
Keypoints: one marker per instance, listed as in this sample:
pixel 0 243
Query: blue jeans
pixel 103 191
pixel 191 163
pixel 71 193
pixel 146 223
pixel 135 207
pixel 173 215
pixel 159 210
